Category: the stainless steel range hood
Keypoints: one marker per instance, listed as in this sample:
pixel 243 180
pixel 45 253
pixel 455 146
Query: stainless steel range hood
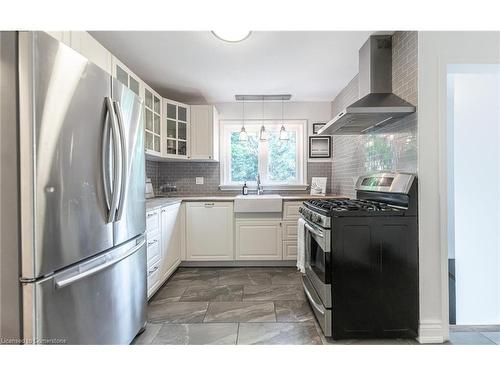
pixel 378 106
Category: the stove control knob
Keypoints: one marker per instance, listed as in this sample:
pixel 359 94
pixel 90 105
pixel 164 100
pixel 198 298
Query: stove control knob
pixel 316 218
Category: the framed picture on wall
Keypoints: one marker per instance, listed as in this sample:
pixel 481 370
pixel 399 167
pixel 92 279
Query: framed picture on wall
pixel 317 126
pixel 320 147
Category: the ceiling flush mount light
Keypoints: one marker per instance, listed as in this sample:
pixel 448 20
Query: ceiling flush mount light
pixel 283 132
pixel 243 132
pixel 232 36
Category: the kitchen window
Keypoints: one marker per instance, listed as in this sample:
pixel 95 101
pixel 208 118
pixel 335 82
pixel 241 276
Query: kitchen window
pixel 279 163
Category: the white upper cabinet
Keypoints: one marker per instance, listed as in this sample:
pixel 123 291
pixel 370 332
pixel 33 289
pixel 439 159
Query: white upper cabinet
pixel 204 133
pixel 86 45
pixel 152 121
pixel 176 130
pixel 126 76
pixel 62 36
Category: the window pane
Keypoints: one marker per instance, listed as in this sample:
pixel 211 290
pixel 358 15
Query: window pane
pixel 149 119
pixel 244 158
pixel 171 147
pixel 171 129
pixel 157 104
pixel 282 164
pixel 121 75
pixel 148 98
pixel 134 86
pixel 171 111
pixel 157 124
pixel 149 141
pixel 182 130
pixel 157 143
pixel 182 148
pixel 182 113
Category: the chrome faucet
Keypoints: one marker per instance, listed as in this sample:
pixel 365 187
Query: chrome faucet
pixel 260 190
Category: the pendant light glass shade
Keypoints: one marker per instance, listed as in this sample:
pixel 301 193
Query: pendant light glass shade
pixel 243 135
pixel 263 133
pixel 243 132
pixel 283 134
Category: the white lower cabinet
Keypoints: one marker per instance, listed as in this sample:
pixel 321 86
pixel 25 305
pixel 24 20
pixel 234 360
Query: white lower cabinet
pixel 164 229
pixel 153 280
pixel 153 249
pixel 258 240
pixel 209 231
pixel 170 239
pixel 290 250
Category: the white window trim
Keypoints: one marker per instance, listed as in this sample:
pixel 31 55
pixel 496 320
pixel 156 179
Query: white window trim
pixel 226 126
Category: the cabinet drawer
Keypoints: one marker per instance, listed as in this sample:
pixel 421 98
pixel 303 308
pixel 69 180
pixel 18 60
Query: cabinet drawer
pixel 290 250
pixel 290 230
pixel 291 210
pixel 153 277
pixel 153 220
pixel 153 249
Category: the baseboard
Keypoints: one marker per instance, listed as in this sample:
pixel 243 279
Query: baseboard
pixel 240 263
pixel 431 332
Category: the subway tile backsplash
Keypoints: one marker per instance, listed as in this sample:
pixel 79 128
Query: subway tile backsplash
pixel 183 176
pixel 394 148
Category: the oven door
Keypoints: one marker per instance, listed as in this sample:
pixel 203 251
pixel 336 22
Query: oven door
pixel 318 261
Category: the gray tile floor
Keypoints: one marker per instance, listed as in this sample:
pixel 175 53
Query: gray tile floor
pixel 254 305
pixel 475 335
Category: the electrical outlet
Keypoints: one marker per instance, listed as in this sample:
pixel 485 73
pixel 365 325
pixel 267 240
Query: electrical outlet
pixel 199 180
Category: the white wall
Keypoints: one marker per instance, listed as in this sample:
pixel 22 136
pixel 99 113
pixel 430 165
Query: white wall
pixel 436 50
pixel 476 179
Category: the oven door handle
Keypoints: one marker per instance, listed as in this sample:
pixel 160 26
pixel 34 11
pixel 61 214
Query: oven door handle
pixel 314 230
pixel 315 304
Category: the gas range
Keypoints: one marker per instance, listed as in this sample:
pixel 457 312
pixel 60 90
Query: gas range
pixel 380 194
pixel 346 242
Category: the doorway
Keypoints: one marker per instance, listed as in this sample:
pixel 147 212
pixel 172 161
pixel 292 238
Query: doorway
pixel 473 113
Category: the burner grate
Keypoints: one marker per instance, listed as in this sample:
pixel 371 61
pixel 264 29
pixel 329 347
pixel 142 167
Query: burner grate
pixel 351 205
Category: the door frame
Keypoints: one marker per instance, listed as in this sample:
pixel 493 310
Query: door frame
pixel 436 51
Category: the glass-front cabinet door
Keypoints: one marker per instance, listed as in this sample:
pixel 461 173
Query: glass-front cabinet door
pixel 176 118
pixel 152 121
pixel 125 76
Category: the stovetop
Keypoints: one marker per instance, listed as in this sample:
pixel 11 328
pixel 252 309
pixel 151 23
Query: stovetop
pixel 352 207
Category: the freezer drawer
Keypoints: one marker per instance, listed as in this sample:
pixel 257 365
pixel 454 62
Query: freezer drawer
pixel 99 301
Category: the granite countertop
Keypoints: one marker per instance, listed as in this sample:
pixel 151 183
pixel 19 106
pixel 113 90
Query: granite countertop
pixel 157 202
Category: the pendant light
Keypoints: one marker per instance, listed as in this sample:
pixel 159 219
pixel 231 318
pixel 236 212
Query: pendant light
pixel 243 132
pixel 263 132
pixel 283 132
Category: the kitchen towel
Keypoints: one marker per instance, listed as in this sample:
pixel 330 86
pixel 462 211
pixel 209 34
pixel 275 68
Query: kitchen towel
pixel 301 245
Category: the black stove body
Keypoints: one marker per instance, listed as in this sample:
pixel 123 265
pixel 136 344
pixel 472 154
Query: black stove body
pixel 362 259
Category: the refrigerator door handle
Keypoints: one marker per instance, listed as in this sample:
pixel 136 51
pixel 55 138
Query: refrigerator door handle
pixel 117 161
pixel 102 266
pixel 124 177
pixel 104 156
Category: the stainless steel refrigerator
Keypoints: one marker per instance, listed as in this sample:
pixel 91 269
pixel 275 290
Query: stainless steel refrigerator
pixel 81 193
